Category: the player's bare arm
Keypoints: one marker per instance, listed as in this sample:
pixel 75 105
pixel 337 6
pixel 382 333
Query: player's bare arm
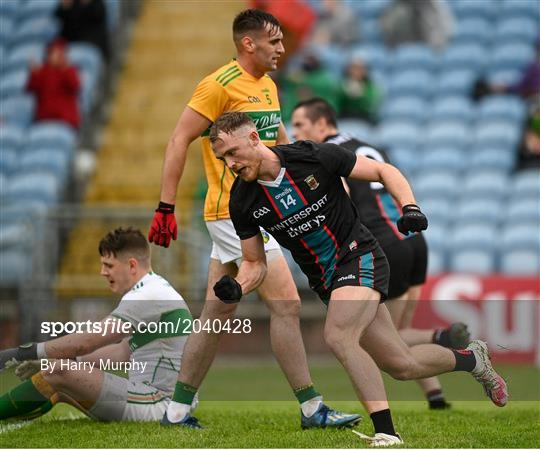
pixel 253 267
pixel 114 352
pixel 367 169
pixel 282 138
pixel 189 127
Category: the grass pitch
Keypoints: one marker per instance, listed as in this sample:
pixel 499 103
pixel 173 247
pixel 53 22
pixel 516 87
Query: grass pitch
pixel 262 415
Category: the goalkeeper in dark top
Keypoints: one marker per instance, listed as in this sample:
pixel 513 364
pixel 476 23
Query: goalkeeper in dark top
pixel 315 120
pixel 295 192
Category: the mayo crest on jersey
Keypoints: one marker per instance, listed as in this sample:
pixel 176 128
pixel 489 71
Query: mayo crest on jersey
pixel 154 301
pixel 231 88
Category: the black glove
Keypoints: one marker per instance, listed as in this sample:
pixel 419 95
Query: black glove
pixel 228 290
pixel 22 353
pixel 412 220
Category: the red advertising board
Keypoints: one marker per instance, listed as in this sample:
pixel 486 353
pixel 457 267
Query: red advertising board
pixel 505 311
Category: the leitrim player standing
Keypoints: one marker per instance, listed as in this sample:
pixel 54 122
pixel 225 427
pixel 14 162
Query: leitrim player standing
pixel 315 120
pixel 295 192
pixel 241 85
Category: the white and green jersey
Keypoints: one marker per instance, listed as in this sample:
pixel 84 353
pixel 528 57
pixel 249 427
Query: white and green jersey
pixel 161 321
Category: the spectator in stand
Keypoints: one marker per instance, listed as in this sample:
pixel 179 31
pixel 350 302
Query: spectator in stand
pixel 428 21
pixel 56 86
pixel 337 25
pixel 359 96
pixel 529 153
pixel 310 80
pixel 84 21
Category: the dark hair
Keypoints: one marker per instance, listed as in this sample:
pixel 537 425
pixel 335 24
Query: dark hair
pixel 316 108
pixel 229 122
pixel 125 240
pixel 252 20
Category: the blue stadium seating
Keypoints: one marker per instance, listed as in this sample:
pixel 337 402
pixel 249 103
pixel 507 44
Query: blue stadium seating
pixel 51 134
pixel 8 160
pixel 399 133
pixel 18 109
pixel 503 76
pixel 15 265
pixel 453 108
pixel 474 8
pixel 497 133
pixel 357 128
pixel 6 29
pixel 520 8
pixel 405 158
pixel 452 134
pixel 493 158
pixel 54 160
pixel 376 56
pixel 40 185
pixel 405 108
pixel 450 158
pixel 526 184
pixel 368 9
pixel 436 261
pixel 505 107
pixel 521 262
pixel 473 30
pixel 20 56
pixel 485 183
pixel 517 29
pixel 478 211
pixel 471 56
pixel 459 81
pixel 438 209
pixel 37 8
pixel 9 9
pixel 520 236
pixel 414 56
pixel 85 56
pixel 473 236
pixel 523 210
pixel 472 261
pixel 512 55
pixel 436 183
pixel 417 82
pixel 42 29
pixel 11 136
pixel 13 82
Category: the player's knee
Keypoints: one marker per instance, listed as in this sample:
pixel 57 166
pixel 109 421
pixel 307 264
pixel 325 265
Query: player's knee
pixel 56 377
pixel 216 309
pixel 338 341
pixel 284 308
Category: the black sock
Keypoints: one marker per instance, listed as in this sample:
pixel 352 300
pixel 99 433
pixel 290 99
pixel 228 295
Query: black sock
pixel 465 360
pixel 382 422
pixel 436 399
pixel 442 337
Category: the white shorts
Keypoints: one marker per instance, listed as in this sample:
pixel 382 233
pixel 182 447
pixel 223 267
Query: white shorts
pixel 124 400
pixel 226 243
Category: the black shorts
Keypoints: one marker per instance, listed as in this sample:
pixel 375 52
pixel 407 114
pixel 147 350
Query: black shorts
pixel 369 269
pixel 408 264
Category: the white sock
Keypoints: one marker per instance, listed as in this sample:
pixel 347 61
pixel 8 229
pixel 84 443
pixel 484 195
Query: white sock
pixel 311 406
pixel 176 412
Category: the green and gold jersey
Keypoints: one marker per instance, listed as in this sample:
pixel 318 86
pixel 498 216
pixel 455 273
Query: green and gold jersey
pixel 231 88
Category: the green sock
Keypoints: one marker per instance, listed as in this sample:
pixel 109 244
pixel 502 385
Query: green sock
pixel 306 393
pixel 184 393
pixel 21 400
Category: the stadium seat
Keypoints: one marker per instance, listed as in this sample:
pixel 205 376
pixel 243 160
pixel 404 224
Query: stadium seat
pixel 369 9
pixel 473 30
pixel 436 235
pixel 520 236
pixel 474 8
pixel 6 30
pixel 521 262
pixel 505 107
pixel 497 133
pixel 42 29
pixel 357 128
pixel 526 184
pixel 10 9
pixel 438 210
pixel 55 160
pixel 416 82
pixel 414 56
pixel 20 56
pixel 399 133
pixel 376 56
pixel 11 136
pixel 516 29
pixel 464 56
pixel 85 57
pixel 16 212
pixel 503 76
pixel 520 8
pixel 486 183
pixel 512 56
pixel 453 108
pixel 37 8
pixel 448 134
pixel 51 134
pixel 451 158
pixel 38 185
pixel 12 235
pixel 14 263
pixel 8 161
pixel 403 108
pixel 482 235
pixel 436 261
pixel 494 158
pixel 488 211
pixel 437 183
pixel 13 82
pixel 523 210
pixel 18 110
pixel 472 261
pixel 456 81
pixel 371 31
pixel 405 159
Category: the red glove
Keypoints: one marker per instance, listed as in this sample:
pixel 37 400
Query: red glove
pixel 163 226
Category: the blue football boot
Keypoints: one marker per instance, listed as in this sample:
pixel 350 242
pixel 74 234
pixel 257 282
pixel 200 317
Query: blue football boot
pixel 326 417
pixel 187 422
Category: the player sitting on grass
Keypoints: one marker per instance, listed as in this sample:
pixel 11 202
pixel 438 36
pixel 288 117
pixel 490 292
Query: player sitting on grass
pixel 295 192
pixel 73 372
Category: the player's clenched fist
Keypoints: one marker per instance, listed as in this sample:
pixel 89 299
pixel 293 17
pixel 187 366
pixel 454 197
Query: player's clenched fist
pixel 18 354
pixel 412 220
pixel 228 290
pixel 163 227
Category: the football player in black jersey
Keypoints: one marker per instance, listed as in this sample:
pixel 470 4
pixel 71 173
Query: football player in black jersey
pixel 295 192
pixel 315 120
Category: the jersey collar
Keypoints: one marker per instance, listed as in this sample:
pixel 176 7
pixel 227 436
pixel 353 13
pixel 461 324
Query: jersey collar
pixel 276 182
